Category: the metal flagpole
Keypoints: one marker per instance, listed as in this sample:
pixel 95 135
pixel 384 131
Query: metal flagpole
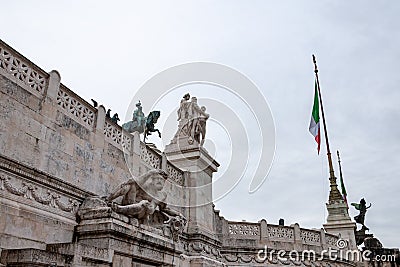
pixel 341 180
pixel 334 193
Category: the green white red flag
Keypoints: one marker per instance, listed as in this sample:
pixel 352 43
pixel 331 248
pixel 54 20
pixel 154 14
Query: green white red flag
pixel 314 123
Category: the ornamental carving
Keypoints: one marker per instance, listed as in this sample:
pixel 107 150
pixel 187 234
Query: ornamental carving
pixel 280 232
pixel 206 249
pixel 112 133
pixel 175 174
pixel 267 259
pixel 244 229
pixel 309 236
pixel 149 156
pixel 14 66
pixel 35 193
pixel 75 107
pixel 126 142
pixel 331 240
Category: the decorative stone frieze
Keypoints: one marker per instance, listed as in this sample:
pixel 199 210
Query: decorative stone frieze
pixel 37 193
pixel 204 249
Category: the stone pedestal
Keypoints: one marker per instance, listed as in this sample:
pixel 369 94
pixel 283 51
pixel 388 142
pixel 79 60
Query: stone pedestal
pixel 110 237
pixel 339 222
pixel 200 165
pixel 191 157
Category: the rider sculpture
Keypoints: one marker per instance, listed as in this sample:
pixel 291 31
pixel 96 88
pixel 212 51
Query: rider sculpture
pixel 138 122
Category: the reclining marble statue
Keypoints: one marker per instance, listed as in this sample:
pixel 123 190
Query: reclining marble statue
pixel 142 196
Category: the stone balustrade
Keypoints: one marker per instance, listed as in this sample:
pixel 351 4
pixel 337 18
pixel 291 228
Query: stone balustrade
pixel 22 71
pixel 273 234
pixel 244 230
pixel 77 108
pixel 44 85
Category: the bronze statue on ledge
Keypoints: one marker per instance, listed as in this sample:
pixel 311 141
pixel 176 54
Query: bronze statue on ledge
pixel 362 207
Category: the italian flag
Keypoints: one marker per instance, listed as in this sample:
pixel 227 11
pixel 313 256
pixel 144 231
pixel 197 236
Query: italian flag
pixel 314 123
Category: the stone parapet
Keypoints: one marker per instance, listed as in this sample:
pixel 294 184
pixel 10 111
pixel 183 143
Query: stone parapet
pixel 248 235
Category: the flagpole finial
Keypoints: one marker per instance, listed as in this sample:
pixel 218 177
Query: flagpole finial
pixel 315 64
pixel 338 155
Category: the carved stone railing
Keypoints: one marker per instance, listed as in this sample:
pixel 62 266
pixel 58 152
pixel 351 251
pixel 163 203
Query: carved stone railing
pixel 149 156
pixel 30 77
pixel 75 106
pixel 310 236
pixel 22 71
pixel 244 230
pixel 276 232
pixel 331 240
pixel 114 134
pixel 175 174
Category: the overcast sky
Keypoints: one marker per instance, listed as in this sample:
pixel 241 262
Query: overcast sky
pixel 107 51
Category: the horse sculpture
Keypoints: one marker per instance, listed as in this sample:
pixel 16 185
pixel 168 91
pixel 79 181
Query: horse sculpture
pixel 138 122
pixel 150 121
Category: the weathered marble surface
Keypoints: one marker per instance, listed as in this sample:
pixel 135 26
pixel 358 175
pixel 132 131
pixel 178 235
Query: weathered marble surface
pixel 57 150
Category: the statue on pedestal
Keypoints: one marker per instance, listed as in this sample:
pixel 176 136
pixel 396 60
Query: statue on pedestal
pixel 360 235
pixel 362 207
pixel 192 121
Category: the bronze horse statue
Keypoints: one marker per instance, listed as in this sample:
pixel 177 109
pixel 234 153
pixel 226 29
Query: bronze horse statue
pixel 151 120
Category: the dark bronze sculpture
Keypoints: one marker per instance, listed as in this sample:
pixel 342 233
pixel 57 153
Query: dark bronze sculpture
pixel 151 120
pixel 138 122
pixel 142 124
pixel 362 207
pixel 360 235
pixel 115 118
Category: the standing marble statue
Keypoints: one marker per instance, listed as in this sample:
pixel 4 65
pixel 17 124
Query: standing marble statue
pixel 184 107
pixel 197 121
pixel 192 121
pixel 142 196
